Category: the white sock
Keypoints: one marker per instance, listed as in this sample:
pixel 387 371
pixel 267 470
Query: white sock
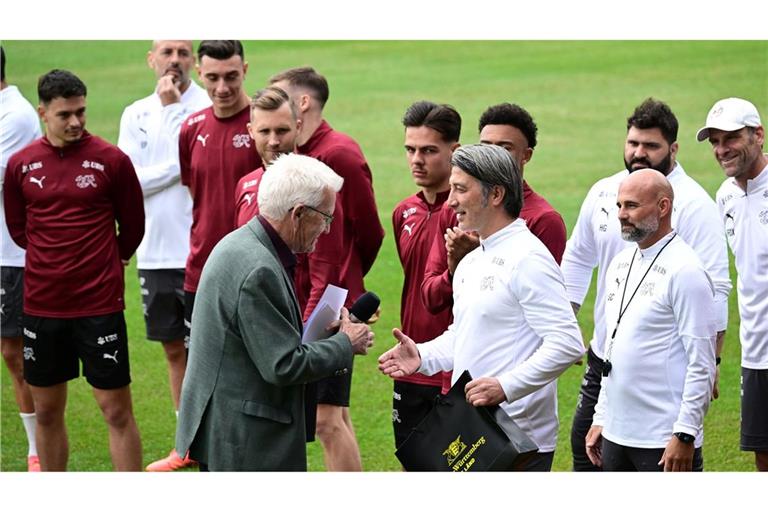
pixel 30 422
pixel 177 415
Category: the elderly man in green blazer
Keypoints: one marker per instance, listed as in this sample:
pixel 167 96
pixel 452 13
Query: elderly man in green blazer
pixel 242 400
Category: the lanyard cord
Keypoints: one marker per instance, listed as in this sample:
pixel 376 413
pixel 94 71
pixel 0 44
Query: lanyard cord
pixel 622 308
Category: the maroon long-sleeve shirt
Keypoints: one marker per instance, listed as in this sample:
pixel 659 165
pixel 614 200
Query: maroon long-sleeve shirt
pixel 416 225
pixel 346 254
pixel 61 205
pixel 214 153
pixel 246 193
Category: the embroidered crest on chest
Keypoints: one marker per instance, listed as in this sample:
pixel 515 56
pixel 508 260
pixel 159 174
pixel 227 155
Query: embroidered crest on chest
pixel 241 140
pixel 487 283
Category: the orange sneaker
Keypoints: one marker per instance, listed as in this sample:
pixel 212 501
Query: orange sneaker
pixel 171 463
pixel 33 464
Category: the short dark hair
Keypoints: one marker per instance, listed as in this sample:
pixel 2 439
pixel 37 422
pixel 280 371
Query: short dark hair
pixel 2 64
pixel 444 119
pixel 220 49
pixel 653 113
pixel 492 166
pixel 59 83
pixel 305 77
pixel 512 115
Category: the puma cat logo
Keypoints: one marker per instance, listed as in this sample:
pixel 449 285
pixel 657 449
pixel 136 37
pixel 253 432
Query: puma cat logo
pixel 38 182
pixel 113 357
pixel 203 139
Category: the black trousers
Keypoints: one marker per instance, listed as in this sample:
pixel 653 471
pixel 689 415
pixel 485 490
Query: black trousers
pixel 624 458
pixel 539 462
pixel 585 409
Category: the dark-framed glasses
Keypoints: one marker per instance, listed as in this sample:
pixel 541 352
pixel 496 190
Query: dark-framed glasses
pixel 327 218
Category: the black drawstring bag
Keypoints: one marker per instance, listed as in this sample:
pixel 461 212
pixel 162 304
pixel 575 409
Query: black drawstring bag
pixel 456 436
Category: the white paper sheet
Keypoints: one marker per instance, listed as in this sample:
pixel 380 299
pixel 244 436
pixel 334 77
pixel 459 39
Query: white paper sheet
pixel 327 310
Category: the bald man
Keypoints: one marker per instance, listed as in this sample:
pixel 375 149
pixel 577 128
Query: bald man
pixel 149 135
pixel 660 351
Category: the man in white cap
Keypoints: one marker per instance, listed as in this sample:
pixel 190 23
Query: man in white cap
pixel 737 137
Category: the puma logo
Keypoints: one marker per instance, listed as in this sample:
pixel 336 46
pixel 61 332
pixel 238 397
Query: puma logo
pixel 38 182
pixel 249 198
pixel 113 357
pixel 409 229
pixel 203 139
pixel 604 211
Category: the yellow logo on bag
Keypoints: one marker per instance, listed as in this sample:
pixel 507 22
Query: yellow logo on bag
pixel 454 450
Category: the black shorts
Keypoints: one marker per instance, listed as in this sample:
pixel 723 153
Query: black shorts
pixel 335 390
pixel 54 347
pixel 11 301
pixel 410 404
pixel 754 411
pixel 189 305
pixel 162 297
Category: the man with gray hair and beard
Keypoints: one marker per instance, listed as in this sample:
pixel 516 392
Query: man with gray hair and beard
pixel 660 330
pixel 242 401
pixel 513 329
pixel 650 143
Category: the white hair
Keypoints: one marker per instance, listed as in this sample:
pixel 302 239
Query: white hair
pixel 292 179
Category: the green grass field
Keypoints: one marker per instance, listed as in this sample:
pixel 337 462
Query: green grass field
pixel 580 94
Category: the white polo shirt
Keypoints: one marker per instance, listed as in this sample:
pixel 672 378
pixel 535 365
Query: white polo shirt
pixel 512 321
pixel 596 239
pixel 745 216
pixel 19 125
pixel 149 135
pixel 663 355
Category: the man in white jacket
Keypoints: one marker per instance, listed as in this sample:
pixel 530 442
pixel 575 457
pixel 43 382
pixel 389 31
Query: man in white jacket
pixel 149 132
pixel 651 142
pixel 513 328
pixel 660 350
pixel 19 125
pixel 737 137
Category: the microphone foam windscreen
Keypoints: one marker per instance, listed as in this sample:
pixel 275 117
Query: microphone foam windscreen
pixel 365 306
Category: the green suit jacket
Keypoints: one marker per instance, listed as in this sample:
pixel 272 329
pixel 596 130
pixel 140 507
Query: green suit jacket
pixel 242 400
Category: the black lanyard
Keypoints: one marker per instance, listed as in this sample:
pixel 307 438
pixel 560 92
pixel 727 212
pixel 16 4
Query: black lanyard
pixel 607 366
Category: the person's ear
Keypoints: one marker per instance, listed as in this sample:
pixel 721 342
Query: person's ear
pixel 304 102
pixel 665 206
pixel 497 196
pixel 527 156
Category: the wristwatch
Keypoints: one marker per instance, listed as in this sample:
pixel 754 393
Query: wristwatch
pixel 684 438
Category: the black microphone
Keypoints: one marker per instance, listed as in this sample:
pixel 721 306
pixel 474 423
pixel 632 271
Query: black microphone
pixel 364 307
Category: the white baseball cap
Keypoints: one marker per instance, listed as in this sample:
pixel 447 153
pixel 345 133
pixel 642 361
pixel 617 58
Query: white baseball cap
pixel 729 115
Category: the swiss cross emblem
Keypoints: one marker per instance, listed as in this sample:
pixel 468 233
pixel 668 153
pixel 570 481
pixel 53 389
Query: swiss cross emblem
pixel 241 140
pixel 86 180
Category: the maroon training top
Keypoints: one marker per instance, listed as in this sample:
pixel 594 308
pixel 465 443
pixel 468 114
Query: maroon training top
pixel 415 226
pixel 214 154
pixel 61 205
pixel 246 192
pixel 346 254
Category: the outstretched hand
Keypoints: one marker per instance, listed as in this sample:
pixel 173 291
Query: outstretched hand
pixel 402 359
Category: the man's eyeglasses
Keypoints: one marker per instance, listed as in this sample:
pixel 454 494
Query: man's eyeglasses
pixel 327 218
